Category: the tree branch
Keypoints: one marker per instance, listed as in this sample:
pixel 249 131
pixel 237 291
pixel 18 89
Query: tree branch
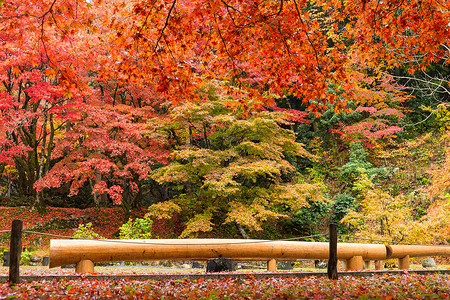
pixel 165 25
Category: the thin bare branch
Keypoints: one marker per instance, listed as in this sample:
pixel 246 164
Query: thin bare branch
pixel 165 25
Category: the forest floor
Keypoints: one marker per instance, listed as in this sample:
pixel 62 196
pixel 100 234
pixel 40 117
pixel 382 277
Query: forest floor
pixel 175 269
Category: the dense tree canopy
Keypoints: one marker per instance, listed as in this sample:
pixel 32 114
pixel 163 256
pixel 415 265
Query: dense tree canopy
pixel 85 85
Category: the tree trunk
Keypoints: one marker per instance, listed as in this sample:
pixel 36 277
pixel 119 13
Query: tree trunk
pixel 242 231
pixel 42 157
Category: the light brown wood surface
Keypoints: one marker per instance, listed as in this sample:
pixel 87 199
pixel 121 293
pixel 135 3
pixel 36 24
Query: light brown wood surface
pixel 400 251
pixel 64 252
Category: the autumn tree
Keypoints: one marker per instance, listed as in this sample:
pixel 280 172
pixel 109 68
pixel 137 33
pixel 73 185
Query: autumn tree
pixel 60 122
pixel 35 94
pixel 109 149
pixel 230 168
pixel 438 214
pixel 378 215
pixel 407 40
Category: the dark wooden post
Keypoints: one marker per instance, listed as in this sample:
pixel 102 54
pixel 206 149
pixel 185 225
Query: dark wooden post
pixel 15 249
pixel 332 260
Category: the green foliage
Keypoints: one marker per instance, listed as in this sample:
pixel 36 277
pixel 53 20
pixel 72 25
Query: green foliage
pixel 310 220
pixel 332 120
pixel 137 229
pixel 359 163
pixel 342 204
pixel 25 256
pixel 86 232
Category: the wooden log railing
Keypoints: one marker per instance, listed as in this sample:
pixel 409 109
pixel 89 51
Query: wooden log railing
pixel 84 253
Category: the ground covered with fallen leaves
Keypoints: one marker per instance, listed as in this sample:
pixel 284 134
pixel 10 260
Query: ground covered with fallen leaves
pixel 105 270
pixel 376 287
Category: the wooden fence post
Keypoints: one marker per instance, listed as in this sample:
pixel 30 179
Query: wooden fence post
pixel 15 249
pixel 378 265
pixel 84 266
pixel 332 259
pixel 272 265
pixel 355 263
pixel 403 263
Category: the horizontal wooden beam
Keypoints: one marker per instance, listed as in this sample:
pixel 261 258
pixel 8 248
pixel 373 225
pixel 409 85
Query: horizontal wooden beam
pixel 65 252
pixel 400 251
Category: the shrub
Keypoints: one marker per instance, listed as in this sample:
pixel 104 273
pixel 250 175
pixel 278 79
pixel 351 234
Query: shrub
pixel 358 163
pixel 137 229
pixel 25 257
pixel 86 232
pixel 310 220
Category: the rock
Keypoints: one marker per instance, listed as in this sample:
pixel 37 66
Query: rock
pixel 35 259
pixel 320 264
pixel 197 265
pixel 219 265
pixel 244 266
pixel 428 263
pixel 284 265
pixel 72 266
pixel 45 261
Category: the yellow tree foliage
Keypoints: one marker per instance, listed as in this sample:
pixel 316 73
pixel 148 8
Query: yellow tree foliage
pixel 438 214
pixel 378 215
pixel 381 216
pixel 231 166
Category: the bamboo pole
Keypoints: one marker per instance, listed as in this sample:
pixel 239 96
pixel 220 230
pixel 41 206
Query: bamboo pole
pixel 64 252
